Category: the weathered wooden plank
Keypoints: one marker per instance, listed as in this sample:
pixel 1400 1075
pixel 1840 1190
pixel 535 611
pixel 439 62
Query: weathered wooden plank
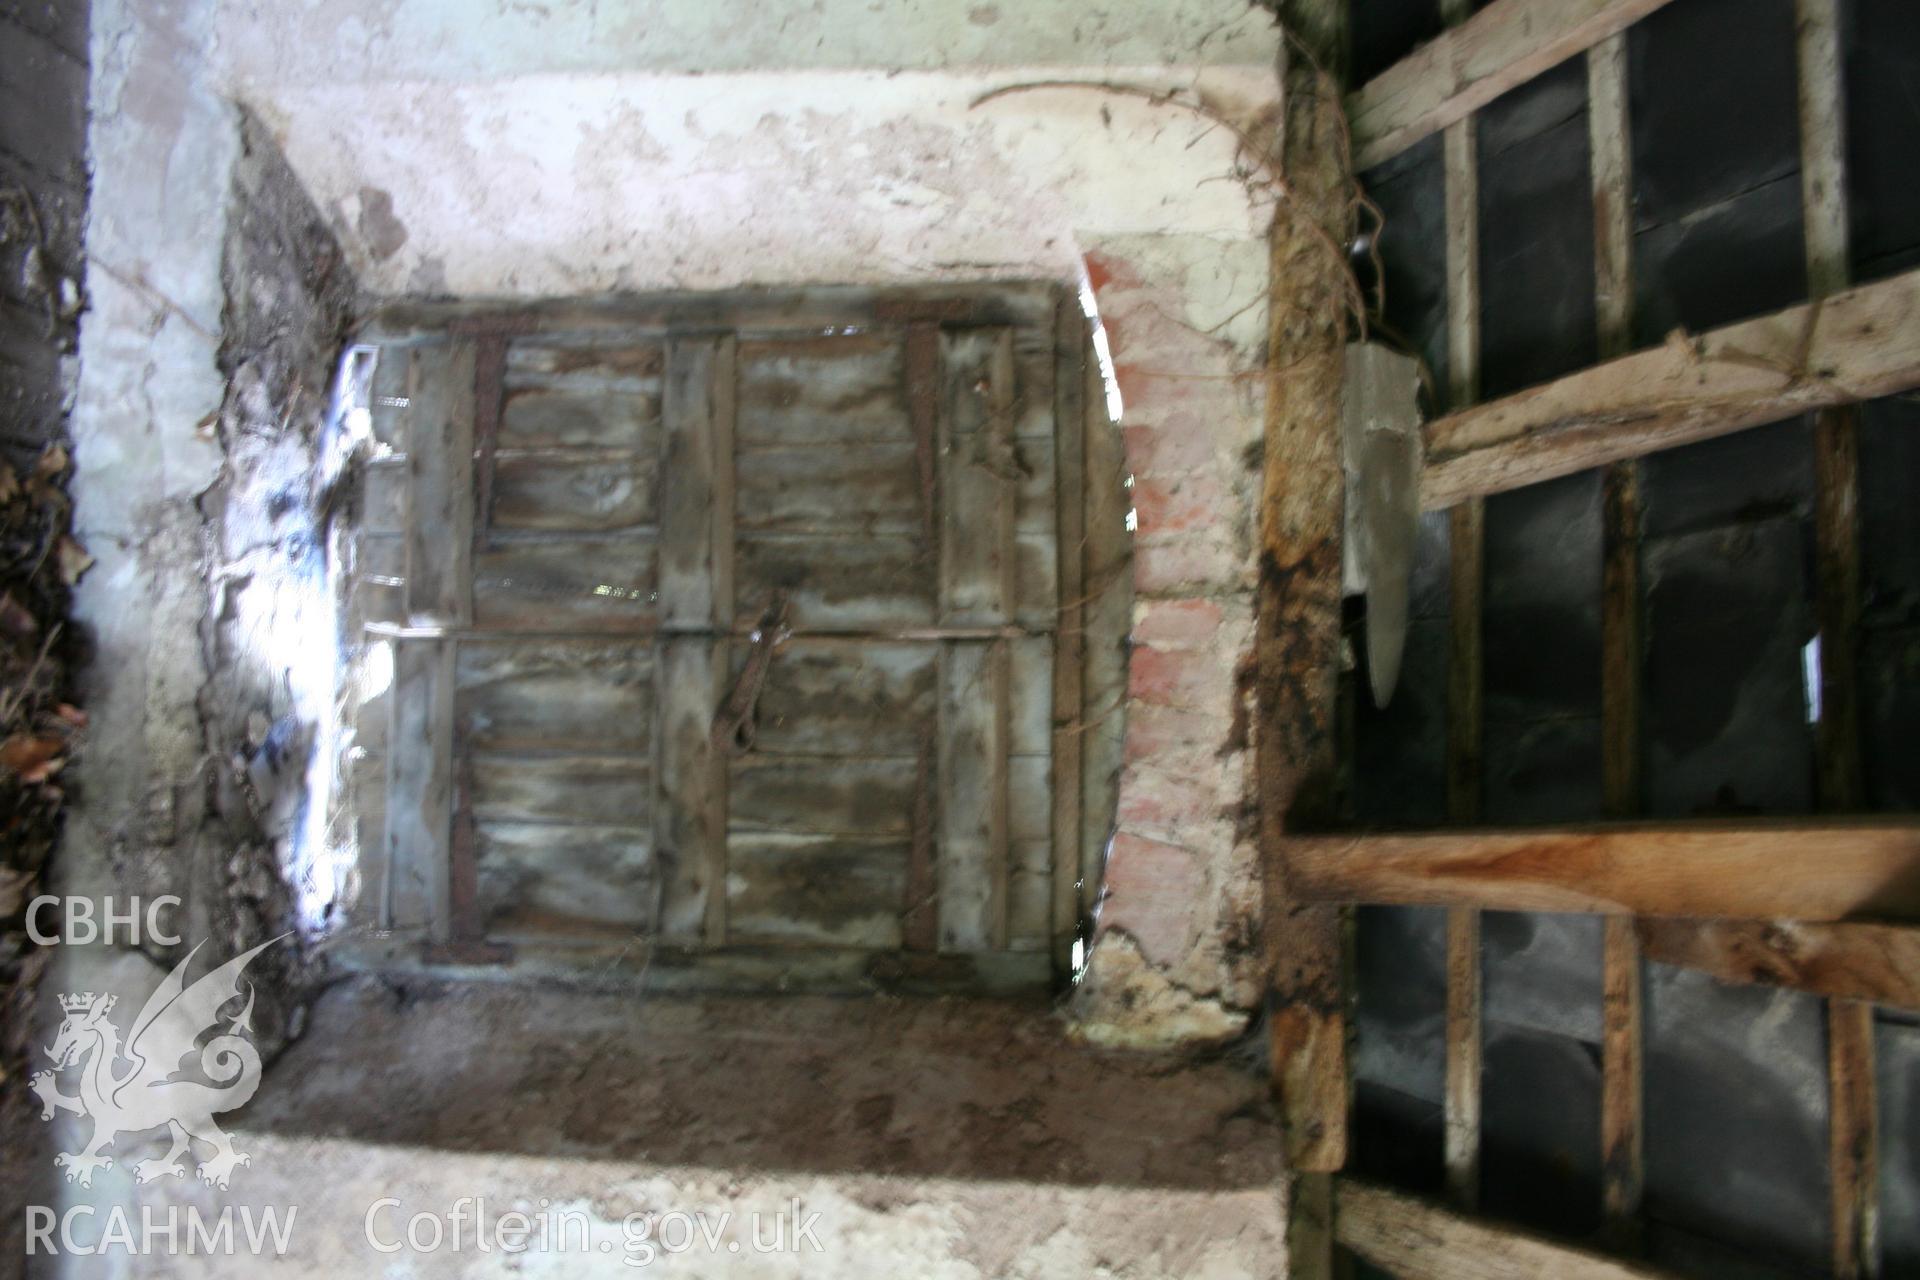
pixel 919 908
pixel 545 417
pixel 1415 1240
pixel 1857 345
pixel 383 497
pixel 1297 611
pixel 696 503
pixel 824 392
pixel 978 476
pixel 835 581
pixel 615 961
pixel 610 362
pixel 1622 1087
pixel 822 795
pixel 1502 47
pixel 972 740
pixel 1812 870
pixel 1823 144
pixel 574 490
pixel 1612 163
pixel 525 695
pixel 440 516
pixel 420 788
pixel 815 890
pixel 564 880
pixel 1069 643
pixel 755 313
pixel 391 399
pixel 1853 1139
pixel 870 489
pixel 866 699
pixel 1879 963
pixel 691 801
pixel 1464 1047
pixel 1029 894
pixel 571 584
pixel 605 790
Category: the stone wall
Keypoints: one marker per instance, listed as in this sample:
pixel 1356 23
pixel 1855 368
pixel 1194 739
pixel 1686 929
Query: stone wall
pixel 43 196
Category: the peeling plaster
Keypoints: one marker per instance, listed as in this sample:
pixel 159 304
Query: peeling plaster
pixel 561 184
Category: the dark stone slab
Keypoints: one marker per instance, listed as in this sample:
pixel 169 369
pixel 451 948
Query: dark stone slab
pixel 1398 1140
pixel 1728 612
pixel 1410 190
pixel 1882 55
pixel 1542 620
pixel 1736 1115
pixel 1400 985
pixel 1543 771
pixel 1743 257
pixel 1400 750
pixel 1536 233
pixel 1897 1059
pixel 1381 32
pixel 1713 105
pixel 1542 972
pixel 43 106
pixel 1749 475
pixel 1890 712
pixel 1889 513
pixel 1540 1130
pixel 62 22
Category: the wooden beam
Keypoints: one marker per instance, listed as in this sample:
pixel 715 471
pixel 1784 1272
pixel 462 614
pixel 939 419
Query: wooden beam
pixel 1502 47
pixel 1880 963
pixel 1416 1240
pixel 1297 616
pixel 1856 345
pixel 1814 870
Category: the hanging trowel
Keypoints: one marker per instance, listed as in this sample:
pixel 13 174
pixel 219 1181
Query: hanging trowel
pixel 1382 453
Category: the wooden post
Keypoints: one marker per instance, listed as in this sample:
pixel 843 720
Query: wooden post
pixel 1622 1142
pixel 1297 639
pixel 1853 1107
pixel 1465 671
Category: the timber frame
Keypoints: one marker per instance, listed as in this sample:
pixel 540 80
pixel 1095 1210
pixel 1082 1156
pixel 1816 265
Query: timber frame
pixel 520 476
pixel 1742 902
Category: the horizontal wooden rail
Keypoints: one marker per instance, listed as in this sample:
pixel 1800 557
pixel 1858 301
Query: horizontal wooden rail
pixel 1829 870
pixel 1873 962
pixel 1502 47
pixel 1417 1240
pixel 1856 345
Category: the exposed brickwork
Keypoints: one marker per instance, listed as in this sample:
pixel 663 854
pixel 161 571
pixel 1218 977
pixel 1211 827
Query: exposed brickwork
pixel 1179 877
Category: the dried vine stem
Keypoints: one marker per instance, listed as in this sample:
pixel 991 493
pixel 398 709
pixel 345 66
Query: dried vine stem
pixel 1263 169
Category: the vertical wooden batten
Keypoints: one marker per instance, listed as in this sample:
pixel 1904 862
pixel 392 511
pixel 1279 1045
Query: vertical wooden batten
pixel 1297 634
pixel 1853 1105
pixel 1465 664
pixel 423 809
pixel 1622 1123
pixel 691 669
pixel 1069 639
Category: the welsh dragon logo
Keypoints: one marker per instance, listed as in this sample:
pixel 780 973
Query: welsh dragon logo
pixel 148 1093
